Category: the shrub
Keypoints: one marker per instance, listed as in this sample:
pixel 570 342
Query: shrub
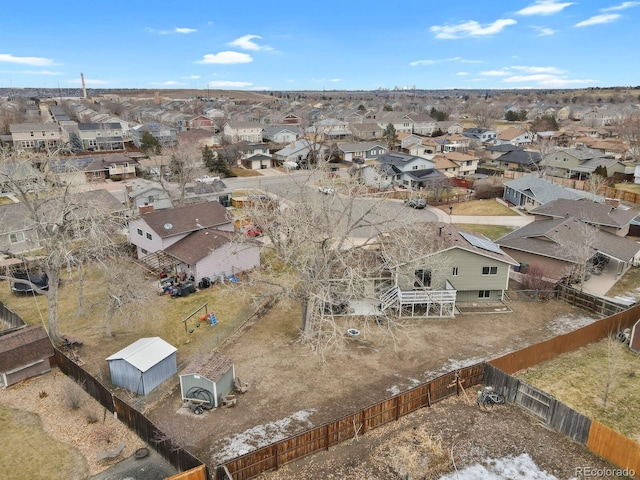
pixel 74 397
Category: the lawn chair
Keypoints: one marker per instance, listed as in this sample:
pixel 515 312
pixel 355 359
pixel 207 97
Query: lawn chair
pixel 107 454
pixel 228 401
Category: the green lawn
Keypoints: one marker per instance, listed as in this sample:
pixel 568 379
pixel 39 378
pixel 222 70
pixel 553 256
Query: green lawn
pixel 488 207
pixel 492 232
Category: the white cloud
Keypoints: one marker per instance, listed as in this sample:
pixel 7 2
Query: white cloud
pixel 247 43
pixel 622 6
pixel 471 28
pixel 529 69
pixel 34 61
pixel 599 19
pixel 432 62
pixel 182 30
pixel 228 83
pixel 335 80
pixel 40 72
pixel 462 74
pixel 422 62
pixel 494 73
pixel 226 58
pixel 544 7
pixel 544 31
pixel 546 80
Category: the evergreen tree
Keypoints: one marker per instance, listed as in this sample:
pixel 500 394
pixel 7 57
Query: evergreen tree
pixel 390 135
pixel 150 144
pixel 215 162
pixel 76 142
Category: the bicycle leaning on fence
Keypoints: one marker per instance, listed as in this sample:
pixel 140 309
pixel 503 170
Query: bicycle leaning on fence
pixel 487 398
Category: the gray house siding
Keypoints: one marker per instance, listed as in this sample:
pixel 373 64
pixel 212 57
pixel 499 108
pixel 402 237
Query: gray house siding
pixel 224 385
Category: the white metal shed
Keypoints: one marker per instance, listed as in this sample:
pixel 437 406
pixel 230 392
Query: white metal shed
pixel 143 365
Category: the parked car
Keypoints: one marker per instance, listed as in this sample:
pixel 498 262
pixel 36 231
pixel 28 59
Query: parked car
pixel 41 281
pixel 327 190
pixel 207 179
pixel 291 165
pixel 415 202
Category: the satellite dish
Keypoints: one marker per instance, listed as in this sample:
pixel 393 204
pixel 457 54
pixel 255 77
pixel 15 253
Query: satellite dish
pixel 168 226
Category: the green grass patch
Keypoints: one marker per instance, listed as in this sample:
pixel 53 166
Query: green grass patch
pixel 488 207
pixel 579 380
pixel 28 452
pixel 492 232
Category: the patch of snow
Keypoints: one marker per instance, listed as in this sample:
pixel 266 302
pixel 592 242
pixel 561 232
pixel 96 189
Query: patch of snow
pixel 569 323
pixel 452 365
pixel 394 390
pixel 521 467
pixel 261 435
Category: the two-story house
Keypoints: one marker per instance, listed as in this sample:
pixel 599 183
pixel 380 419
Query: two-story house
pixel 467 164
pixel 580 163
pixel 361 150
pixel 197 240
pixel 166 136
pixel 35 136
pixel 101 136
pixel 280 134
pixel 516 136
pixel 401 169
pixel 235 132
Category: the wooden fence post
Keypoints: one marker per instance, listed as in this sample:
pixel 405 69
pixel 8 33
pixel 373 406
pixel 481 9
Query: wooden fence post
pixel 326 437
pixel 429 394
pixel 397 407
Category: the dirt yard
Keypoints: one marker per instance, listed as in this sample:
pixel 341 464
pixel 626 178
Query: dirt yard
pixel 427 444
pixel 290 390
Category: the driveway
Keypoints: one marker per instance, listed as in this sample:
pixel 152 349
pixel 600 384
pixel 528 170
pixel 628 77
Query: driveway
pixel 151 467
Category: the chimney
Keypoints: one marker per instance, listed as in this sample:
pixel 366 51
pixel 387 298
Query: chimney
pixel 84 88
pixel 145 209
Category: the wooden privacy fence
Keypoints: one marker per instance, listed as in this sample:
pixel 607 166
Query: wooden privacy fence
pixel 543 405
pixel 325 436
pixel 543 351
pixel 136 421
pixel 586 301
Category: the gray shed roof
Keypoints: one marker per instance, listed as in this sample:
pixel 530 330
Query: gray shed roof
pixel 144 353
pixel 586 210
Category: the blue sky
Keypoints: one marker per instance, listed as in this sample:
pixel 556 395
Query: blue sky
pixel 331 45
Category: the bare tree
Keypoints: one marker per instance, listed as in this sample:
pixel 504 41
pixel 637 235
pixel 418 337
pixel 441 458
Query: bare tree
pixel 71 227
pixel 484 114
pixel 186 164
pixel 629 128
pixel 596 185
pixel 614 363
pixel 323 251
pixel 124 301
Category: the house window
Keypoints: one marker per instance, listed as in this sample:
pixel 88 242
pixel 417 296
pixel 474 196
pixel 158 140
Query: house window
pixel 16 237
pixel 454 272
pixel 139 231
pixel 97 174
pixel 143 251
pixel 27 144
pixel 31 133
pixel 149 236
pixel 489 270
pixel 484 293
pixel 422 278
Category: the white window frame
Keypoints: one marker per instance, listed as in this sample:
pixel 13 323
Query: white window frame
pixel 493 270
